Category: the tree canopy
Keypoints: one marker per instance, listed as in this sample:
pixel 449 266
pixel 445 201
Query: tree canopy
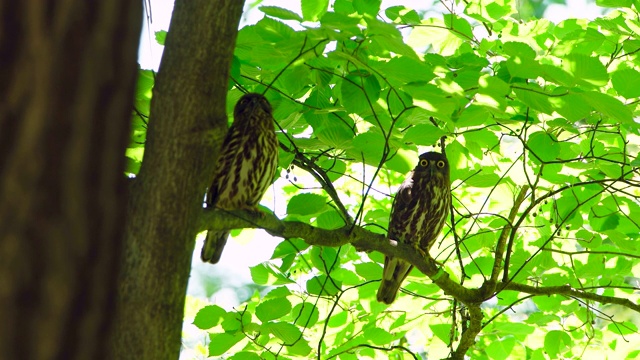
pixel 539 122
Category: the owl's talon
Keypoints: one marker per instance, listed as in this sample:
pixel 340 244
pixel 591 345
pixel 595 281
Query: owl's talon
pixel 254 211
pixel 416 247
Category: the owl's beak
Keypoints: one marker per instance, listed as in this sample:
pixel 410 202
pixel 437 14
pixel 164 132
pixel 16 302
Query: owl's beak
pixel 432 170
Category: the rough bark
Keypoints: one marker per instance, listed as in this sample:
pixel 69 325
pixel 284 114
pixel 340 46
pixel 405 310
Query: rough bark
pixel 186 126
pixel 67 75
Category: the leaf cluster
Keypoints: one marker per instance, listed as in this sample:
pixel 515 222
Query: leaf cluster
pixel 541 129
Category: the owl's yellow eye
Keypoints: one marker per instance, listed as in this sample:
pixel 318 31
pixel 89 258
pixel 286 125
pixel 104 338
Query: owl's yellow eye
pixel 440 164
pixel 424 162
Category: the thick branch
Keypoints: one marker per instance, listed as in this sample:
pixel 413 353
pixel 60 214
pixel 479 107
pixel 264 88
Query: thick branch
pixel 361 239
pixel 569 291
pixel 504 235
pixel 469 334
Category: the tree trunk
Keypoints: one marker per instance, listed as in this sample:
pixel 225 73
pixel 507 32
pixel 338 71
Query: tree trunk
pixel 187 123
pixel 67 75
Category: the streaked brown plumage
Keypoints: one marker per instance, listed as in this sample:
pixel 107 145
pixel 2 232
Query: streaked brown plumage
pixel 246 166
pixel 418 214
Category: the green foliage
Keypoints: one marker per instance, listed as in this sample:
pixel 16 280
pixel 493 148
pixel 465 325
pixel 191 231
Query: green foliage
pixel 549 110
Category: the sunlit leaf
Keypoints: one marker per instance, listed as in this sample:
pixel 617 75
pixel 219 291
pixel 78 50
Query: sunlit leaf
pixel 208 317
pixel 306 204
pixel 280 13
pixel 623 81
pixel 312 10
pixel 220 343
pixel 284 331
pixel 273 309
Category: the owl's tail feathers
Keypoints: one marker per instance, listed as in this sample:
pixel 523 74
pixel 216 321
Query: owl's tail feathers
pixel 388 291
pixel 213 246
pixel 395 271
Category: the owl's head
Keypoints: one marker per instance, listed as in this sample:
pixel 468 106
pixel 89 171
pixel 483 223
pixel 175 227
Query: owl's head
pixel 432 164
pixel 249 103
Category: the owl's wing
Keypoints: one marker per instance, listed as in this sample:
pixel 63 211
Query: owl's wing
pixel 403 196
pixel 401 203
pixel 213 192
pixel 212 195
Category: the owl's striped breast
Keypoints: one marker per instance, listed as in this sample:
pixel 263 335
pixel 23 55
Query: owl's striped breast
pixel 246 168
pixel 423 217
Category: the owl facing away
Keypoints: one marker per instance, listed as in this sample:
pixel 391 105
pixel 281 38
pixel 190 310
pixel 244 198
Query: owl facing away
pixel 245 168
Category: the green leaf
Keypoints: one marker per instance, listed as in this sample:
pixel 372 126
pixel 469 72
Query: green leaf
pixel 432 99
pixel 608 106
pixel 333 167
pixel 345 24
pixel 305 314
pixel 614 3
pixel 301 348
pixel 330 220
pixel 460 25
pixel 543 146
pixel 288 247
pixel 321 285
pixel 273 30
pixel 487 12
pixel 369 7
pixel 265 274
pixel 286 332
pixel 306 204
pixel 359 91
pixel 556 75
pixel 280 13
pixel 404 70
pixel 221 343
pixel 548 303
pixel 423 134
pixel 368 145
pixel 483 180
pixel 441 331
pixel 278 292
pixel 369 270
pixel 234 72
pixel 245 355
pixel 515 328
pixel 377 336
pixel 324 257
pixel 534 96
pixel 208 317
pixel 586 69
pixel 232 322
pixel 338 319
pixel 402 161
pixel 312 10
pixel 474 115
pixel 161 36
pixel 519 50
pixel 626 328
pixel 501 349
pixel 402 14
pixel 273 309
pixel 132 166
pixel 556 342
pixel 524 68
pixel 572 106
pixel 626 82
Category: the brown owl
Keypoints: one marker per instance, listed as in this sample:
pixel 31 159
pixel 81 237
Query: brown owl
pixel 418 214
pixel 246 166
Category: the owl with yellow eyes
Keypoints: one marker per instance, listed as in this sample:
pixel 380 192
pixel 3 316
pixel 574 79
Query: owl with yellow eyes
pixel 418 214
